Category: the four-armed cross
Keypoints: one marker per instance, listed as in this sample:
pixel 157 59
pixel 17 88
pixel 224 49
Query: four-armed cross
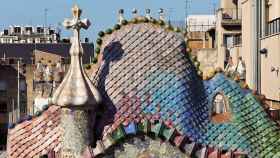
pixel 76 24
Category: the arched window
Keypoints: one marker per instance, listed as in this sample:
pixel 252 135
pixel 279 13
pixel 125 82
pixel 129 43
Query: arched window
pixel 220 111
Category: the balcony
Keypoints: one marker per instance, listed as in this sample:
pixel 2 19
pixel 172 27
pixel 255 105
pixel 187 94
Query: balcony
pixel 273 27
pixel 231 17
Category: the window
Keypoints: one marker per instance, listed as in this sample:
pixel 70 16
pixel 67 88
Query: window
pixel 29 29
pixel 228 41
pixel 3 85
pixel 237 40
pixel 3 136
pixel 22 85
pixel 220 111
pixel 17 30
pixel 12 61
pixel 3 107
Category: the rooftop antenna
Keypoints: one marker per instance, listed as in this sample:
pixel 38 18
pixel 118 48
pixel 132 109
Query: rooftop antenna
pixel 46 16
pixel 58 29
pixel 187 7
pixel 214 6
pixel 170 13
pixel 30 22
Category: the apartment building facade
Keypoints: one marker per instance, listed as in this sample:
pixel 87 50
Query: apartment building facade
pixel 29 34
pixel 201 39
pixel 261 45
pixel 228 31
pixel 199 29
pixel 29 73
pixel 224 37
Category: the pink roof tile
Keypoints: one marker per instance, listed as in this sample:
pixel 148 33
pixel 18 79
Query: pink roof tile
pixel 36 137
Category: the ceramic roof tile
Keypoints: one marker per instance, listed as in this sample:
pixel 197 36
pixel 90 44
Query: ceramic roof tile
pixel 35 137
pixel 151 69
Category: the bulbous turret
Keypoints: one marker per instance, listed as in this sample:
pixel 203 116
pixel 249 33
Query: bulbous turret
pixel 76 88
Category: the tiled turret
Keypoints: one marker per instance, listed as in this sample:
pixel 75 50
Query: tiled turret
pixel 76 96
pixel 76 89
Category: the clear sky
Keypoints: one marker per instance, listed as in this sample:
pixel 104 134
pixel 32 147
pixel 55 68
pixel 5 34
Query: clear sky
pixel 102 13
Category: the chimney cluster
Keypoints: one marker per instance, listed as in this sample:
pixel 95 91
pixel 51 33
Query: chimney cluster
pixel 135 12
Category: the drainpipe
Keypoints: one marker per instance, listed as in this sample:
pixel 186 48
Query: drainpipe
pixel 263 17
pixel 18 93
pixel 256 46
pixel 259 21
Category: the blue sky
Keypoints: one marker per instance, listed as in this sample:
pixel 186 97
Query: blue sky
pixel 102 13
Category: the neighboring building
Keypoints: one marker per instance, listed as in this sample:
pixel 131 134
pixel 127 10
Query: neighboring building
pixel 261 42
pixel 41 69
pixel 215 44
pixel 201 39
pixel 29 34
pixel 200 23
pixel 228 31
pixel 48 55
pixel 26 51
pixel 200 31
pixel 9 111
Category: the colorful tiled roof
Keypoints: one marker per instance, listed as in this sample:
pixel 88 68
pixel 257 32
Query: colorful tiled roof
pixel 145 73
pixel 36 136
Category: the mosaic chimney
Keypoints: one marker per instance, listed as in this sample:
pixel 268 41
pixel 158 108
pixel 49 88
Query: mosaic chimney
pixel 134 12
pixel 121 16
pixel 161 14
pixel 148 13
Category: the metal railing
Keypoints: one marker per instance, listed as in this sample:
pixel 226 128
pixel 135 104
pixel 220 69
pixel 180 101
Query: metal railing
pixel 273 27
pixel 237 40
pixel 200 28
pixel 231 14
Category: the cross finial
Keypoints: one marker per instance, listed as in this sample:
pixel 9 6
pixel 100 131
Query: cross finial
pixel 76 11
pixel 76 24
pixel 76 88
